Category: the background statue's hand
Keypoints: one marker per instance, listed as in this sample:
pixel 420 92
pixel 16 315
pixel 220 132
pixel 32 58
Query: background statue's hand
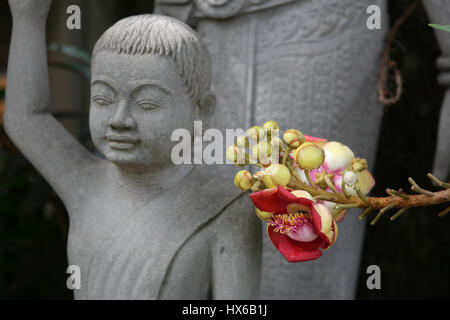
pixel 36 9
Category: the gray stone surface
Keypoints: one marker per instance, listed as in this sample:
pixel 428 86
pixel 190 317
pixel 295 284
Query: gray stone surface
pixel 439 12
pixel 310 65
pixel 140 226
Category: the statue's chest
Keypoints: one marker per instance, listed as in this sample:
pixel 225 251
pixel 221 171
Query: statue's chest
pixel 95 230
pixel 94 222
pixel 125 253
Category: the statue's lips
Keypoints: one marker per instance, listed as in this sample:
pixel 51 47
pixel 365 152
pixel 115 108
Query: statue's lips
pixel 121 142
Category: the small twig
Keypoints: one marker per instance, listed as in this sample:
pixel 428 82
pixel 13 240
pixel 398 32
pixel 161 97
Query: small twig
pixel 366 212
pixel 293 172
pixel 347 206
pixel 286 153
pixel 308 177
pixel 382 211
pixel 444 212
pixel 361 196
pixel 323 197
pixel 415 187
pixel 398 193
pixel 336 212
pixel 330 184
pixel 438 182
pixel 398 214
pixel 343 187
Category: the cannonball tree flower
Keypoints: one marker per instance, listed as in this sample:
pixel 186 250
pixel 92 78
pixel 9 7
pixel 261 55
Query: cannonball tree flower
pixel 298 224
pixel 340 162
pixel 299 227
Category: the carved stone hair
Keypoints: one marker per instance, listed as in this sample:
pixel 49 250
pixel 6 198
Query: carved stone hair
pixel 165 36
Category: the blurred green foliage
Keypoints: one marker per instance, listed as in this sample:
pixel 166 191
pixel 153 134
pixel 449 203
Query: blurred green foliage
pixel 83 59
pixel 440 27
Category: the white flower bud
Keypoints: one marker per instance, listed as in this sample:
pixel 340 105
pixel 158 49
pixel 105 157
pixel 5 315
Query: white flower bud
pixel 349 178
pixel 337 155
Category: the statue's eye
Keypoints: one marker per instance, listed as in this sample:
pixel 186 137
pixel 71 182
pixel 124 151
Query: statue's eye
pixel 101 100
pixel 148 105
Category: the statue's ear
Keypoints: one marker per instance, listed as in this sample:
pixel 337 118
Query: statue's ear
pixel 207 108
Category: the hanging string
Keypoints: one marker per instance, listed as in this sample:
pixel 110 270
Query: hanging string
pixel 390 67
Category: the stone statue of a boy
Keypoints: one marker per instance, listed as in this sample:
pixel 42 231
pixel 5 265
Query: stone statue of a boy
pixel 140 226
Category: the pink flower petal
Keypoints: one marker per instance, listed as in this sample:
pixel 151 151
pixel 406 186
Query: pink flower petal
pixel 294 251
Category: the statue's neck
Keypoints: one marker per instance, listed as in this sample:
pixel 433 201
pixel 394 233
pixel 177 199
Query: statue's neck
pixel 149 182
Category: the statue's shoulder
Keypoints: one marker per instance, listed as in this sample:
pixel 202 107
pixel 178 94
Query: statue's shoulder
pixel 203 190
pixel 223 215
pixel 232 207
pixel 207 184
pixel 199 197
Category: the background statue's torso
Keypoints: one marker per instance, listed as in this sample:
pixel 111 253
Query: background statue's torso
pixel 310 65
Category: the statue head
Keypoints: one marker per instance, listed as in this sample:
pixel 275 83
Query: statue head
pixel 150 75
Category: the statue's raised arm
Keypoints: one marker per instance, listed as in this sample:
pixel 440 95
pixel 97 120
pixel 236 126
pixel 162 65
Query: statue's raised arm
pixel 41 138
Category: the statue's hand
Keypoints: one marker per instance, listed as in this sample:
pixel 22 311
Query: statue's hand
pixel 33 9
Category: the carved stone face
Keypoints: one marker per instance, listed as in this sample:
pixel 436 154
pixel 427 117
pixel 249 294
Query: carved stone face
pixel 136 103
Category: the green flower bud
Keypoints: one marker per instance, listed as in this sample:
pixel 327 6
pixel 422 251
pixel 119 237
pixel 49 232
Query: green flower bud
pixel 262 152
pixel 272 128
pixel 271 125
pixel 243 180
pixel 293 138
pixel 321 179
pixel 276 174
pixel 231 153
pixel 256 133
pixel 259 175
pixel 242 142
pixel 309 156
pixel 276 143
pixel 236 155
pixel 359 164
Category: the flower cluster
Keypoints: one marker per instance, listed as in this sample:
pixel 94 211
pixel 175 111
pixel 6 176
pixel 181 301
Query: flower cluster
pixel 299 187
pixel 340 172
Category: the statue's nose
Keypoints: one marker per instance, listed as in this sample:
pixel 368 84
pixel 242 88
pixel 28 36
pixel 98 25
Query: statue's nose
pixel 122 118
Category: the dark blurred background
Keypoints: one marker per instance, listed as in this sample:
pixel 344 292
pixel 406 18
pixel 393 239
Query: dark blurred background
pixel 411 251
